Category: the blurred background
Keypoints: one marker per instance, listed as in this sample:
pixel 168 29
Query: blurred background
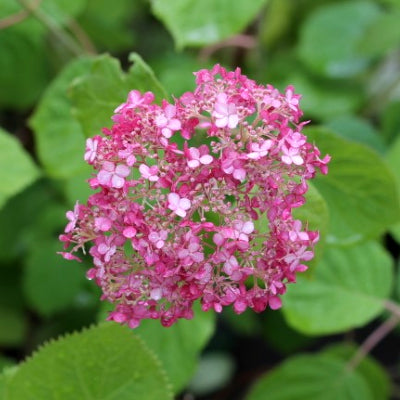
pixel 65 65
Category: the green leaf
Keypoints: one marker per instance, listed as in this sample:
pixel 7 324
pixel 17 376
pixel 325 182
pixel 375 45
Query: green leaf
pixel 141 77
pixel 5 362
pixel 282 337
pixel 395 232
pixel 99 17
pixel 393 159
pixel 390 120
pixel 310 377
pixel 348 290
pixel 51 283
pixel 199 23
pixel 17 170
pixel 13 326
pixel 359 189
pixel 60 142
pixel 324 99
pixel 175 71
pixel 21 86
pixel 382 36
pixel 358 130
pixel 314 214
pixel 331 54
pixel 103 362
pixel 214 372
pixel 374 375
pixel 275 22
pixel 179 346
pixel 19 217
pixel 105 86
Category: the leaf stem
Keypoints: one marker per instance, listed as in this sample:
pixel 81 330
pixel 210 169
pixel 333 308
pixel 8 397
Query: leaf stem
pixel 374 338
pixel 58 33
pixel 17 17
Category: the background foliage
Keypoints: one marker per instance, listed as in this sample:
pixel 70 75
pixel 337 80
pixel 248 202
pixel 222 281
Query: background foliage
pixel 65 65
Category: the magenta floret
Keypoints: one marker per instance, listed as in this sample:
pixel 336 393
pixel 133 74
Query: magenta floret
pixel 194 200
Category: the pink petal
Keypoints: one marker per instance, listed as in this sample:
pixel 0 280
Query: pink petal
pixel 108 166
pixel 184 203
pixel 117 182
pixel 173 199
pixel 207 159
pixel 122 170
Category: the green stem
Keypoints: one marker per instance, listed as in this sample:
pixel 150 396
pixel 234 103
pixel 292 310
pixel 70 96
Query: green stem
pixel 58 33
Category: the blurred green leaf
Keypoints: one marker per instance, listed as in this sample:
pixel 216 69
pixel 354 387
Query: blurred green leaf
pixel 77 188
pixel 103 362
pixel 348 290
pixel 5 362
pixel 313 377
pixel 51 283
pixel 357 129
pixel 175 72
pixel 393 158
pixel 280 336
pixel 60 142
pixel 359 189
pixel 246 324
pixel 390 120
pixel 275 21
pixel 99 18
pixel 374 375
pixel 330 35
pixel 179 346
pixel 60 11
pixel 382 36
pixel 105 86
pixel 13 326
pixel 213 372
pixel 324 99
pixel 19 217
pixel 17 170
pixel 199 23
pixel 21 86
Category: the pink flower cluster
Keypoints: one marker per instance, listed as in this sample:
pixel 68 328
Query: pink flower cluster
pixel 194 200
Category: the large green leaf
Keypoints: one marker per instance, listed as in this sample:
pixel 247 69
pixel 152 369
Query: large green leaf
pixel 17 170
pixel 374 374
pixel 325 99
pixel 105 86
pixel 315 215
pixel 329 37
pixel 199 23
pixel 60 142
pixel 51 283
pixel 382 36
pixel 103 362
pixel 178 346
pixel 310 377
pixel 359 189
pixel 393 158
pixel 348 290
pixel 357 129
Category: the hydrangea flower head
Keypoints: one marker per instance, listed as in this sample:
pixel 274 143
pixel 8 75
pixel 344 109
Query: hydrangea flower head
pixel 182 189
